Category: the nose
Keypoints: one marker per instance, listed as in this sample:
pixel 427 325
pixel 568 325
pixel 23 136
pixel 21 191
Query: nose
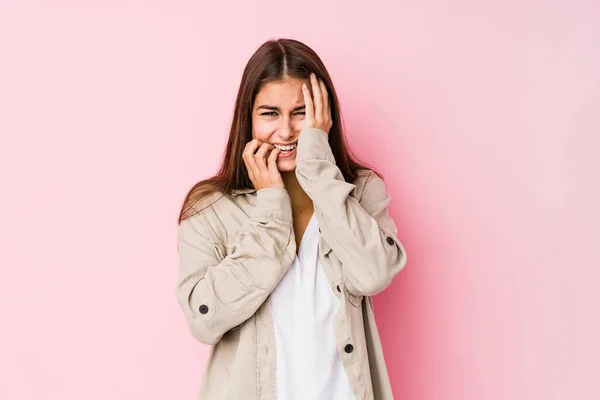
pixel 286 130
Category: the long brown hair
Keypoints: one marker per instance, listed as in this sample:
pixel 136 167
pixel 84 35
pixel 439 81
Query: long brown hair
pixel 273 61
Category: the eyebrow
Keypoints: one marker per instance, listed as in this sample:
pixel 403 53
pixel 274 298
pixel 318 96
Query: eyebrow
pixel 273 108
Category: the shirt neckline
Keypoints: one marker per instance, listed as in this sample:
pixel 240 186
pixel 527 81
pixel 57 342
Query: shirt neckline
pixel 308 230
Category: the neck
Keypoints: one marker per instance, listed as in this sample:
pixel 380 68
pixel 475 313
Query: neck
pixel 300 200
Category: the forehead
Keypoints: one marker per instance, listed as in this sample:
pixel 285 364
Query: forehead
pixel 281 93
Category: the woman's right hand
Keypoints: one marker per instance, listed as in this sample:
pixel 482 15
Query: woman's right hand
pixel 262 172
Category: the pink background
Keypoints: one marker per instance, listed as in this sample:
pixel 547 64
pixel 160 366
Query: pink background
pixel 482 116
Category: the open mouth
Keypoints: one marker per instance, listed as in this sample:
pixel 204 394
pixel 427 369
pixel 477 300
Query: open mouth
pixel 286 149
pixel 283 154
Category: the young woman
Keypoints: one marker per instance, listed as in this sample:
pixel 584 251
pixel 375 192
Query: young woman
pixel 282 249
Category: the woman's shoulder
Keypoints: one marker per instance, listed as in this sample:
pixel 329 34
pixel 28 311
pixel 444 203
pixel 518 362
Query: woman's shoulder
pixel 364 178
pixel 362 174
pixel 216 207
pixel 215 202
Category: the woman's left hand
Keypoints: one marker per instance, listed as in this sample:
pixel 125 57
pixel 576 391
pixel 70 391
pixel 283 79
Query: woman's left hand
pixel 317 112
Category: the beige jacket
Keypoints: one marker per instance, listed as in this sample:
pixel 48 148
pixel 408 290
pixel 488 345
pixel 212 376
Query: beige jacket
pixel 233 254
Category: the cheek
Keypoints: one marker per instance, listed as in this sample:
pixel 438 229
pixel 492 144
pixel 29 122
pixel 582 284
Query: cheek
pixel 261 130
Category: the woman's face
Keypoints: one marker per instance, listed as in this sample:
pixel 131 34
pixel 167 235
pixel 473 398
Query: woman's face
pixel 278 117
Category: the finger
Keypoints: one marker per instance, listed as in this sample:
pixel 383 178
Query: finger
pixel 272 161
pixel 248 157
pixel 318 98
pixel 251 147
pixel 250 173
pixel 325 98
pixel 308 103
pixel 263 149
pixel 260 156
pixel 251 167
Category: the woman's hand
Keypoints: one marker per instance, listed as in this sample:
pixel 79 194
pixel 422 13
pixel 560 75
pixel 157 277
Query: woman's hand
pixel 262 172
pixel 317 113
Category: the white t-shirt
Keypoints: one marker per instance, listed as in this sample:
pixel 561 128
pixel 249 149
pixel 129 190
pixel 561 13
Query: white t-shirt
pixel 303 306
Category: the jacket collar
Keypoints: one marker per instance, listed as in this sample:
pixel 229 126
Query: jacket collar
pixel 235 192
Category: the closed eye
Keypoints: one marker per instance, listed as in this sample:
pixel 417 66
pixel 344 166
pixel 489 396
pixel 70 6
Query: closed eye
pixel 273 113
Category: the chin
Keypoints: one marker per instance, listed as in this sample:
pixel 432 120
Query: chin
pixel 286 165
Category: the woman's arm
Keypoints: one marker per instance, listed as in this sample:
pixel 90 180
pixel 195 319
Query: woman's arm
pixel 217 295
pixel 362 234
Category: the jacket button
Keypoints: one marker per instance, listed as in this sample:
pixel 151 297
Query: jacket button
pixel 390 240
pixel 338 289
pixel 326 254
pixel 203 309
pixel 349 348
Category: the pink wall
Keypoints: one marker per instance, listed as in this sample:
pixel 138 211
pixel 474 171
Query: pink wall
pixel 483 117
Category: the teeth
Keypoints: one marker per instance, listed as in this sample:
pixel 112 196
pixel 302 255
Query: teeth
pixel 287 148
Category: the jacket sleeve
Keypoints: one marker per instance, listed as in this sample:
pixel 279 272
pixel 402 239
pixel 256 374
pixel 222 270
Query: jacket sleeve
pixel 361 233
pixel 218 294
